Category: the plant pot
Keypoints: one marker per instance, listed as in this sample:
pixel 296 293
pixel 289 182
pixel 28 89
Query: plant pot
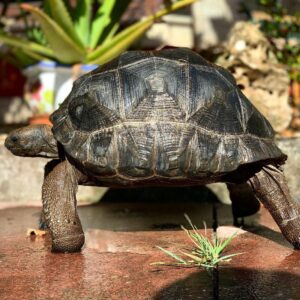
pixel 49 83
pixel 11 80
pixel 40 119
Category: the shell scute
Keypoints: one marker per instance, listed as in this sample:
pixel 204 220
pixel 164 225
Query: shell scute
pixel 87 114
pixel 106 90
pixel 183 55
pixel 205 88
pixel 144 82
pixel 135 150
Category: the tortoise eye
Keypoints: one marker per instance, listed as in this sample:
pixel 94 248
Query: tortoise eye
pixel 14 138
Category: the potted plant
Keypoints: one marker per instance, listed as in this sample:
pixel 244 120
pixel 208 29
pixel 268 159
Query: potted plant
pixel 86 35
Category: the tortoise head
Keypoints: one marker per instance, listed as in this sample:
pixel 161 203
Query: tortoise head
pixel 32 140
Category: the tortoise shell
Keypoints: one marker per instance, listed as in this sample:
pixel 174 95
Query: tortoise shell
pixel 168 114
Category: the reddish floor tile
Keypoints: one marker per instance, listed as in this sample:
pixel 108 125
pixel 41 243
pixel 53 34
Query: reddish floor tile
pixel 120 247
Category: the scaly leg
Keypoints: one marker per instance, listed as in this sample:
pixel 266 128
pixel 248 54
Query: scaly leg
pixel 60 207
pixel 270 187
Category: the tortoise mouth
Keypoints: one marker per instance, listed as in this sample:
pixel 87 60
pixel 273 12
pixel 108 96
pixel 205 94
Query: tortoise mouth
pixel 15 151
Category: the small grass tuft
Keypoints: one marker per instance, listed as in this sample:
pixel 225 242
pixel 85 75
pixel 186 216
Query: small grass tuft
pixel 206 253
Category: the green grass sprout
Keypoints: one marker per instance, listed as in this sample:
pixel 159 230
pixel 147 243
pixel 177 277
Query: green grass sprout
pixel 206 252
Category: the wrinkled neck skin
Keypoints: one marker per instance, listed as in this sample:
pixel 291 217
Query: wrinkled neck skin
pixel 33 141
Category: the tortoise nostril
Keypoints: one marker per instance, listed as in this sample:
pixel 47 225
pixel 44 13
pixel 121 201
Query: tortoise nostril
pixel 14 138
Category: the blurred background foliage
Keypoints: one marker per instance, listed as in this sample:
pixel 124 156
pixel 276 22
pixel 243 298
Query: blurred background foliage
pixel 86 31
pixel 95 31
pixel 282 28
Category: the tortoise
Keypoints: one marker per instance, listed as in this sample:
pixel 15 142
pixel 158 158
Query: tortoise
pixel 155 118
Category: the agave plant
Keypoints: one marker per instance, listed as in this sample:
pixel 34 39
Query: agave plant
pixel 71 35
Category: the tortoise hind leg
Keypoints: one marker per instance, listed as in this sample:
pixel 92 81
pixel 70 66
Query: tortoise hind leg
pixel 243 202
pixel 270 187
pixel 60 207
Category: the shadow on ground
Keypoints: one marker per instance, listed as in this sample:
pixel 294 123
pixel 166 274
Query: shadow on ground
pixel 198 194
pixel 152 209
pixel 116 262
pixel 235 283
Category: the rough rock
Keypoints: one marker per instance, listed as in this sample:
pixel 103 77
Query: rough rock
pixel 291 146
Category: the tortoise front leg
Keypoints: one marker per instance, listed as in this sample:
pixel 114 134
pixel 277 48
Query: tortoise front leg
pixel 60 207
pixel 270 187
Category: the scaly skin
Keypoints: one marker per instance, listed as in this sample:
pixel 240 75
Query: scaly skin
pixel 60 207
pixel 32 141
pixel 270 187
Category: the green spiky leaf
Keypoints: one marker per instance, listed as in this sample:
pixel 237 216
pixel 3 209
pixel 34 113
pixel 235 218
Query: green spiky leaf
pixel 64 48
pixel 102 19
pixel 126 37
pixel 82 17
pixel 117 45
pixel 26 45
pixel 62 17
pixel 110 14
pixel 173 255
